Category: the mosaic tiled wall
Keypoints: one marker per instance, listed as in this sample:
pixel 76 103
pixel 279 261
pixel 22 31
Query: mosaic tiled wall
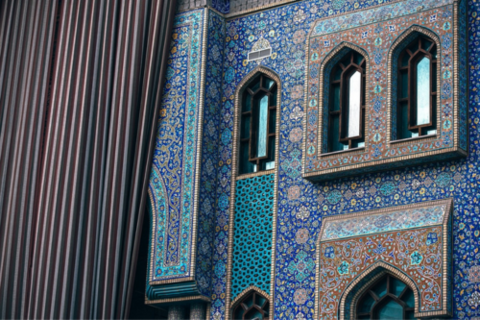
pixel 286 30
pixel 172 183
pixel 208 183
pixel 411 241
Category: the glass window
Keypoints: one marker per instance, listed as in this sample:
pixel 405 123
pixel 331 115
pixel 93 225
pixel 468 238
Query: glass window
pixel 354 104
pixel 417 89
pixel 257 125
pixel 387 298
pixel 347 103
pixel 423 91
pixel 253 307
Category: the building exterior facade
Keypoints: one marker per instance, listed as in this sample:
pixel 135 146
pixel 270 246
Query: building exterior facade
pixel 317 160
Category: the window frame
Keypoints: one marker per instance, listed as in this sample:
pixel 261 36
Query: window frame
pixel 411 70
pixel 264 309
pixel 248 93
pixel 379 300
pixel 343 113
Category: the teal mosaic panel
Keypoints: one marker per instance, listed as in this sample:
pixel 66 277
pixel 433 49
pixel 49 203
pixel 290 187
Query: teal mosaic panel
pixel 252 242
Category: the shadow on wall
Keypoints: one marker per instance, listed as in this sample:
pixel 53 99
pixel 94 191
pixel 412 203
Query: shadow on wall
pixel 138 308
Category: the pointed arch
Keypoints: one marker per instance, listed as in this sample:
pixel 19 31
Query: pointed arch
pixel 414 31
pixel 357 287
pixel 250 76
pixel 326 66
pixel 340 50
pixel 403 41
pixel 248 290
pixel 260 301
pixel 354 228
pixel 239 96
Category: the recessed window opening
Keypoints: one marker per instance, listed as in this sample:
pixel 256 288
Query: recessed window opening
pixel 253 307
pixel 417 89
pixel 258 126
pixel 387 298
pixel 347 103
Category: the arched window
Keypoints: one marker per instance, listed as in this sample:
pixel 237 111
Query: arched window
pixel 347 103
pixel 387 298
pixel 417 89
pixel 258 125
pixel 253 307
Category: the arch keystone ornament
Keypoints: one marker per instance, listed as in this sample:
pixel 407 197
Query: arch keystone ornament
pixel 411 243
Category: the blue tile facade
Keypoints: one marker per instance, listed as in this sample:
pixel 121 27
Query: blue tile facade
pixel 208 179
pixel 286 28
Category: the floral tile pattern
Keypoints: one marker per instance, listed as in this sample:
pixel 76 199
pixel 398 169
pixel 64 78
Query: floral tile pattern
pixel 380 28
pixel 172 179
pixel 302 204
pixel 376 223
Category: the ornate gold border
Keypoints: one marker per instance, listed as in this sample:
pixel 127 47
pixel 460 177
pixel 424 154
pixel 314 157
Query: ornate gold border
pixel 460 152
pixel 445 227
pixel 390 72
pixel 236 142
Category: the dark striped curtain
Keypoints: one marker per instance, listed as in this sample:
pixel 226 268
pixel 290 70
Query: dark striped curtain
pixel 80 87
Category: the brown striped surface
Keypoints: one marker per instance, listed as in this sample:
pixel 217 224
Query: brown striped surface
pixel 80 82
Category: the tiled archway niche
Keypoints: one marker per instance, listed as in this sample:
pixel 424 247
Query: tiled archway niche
pixel 413 243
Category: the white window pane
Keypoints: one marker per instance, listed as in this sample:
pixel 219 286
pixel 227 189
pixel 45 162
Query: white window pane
pixel 423 91
pixel 270 165
pixel 262 127
pixel 354 100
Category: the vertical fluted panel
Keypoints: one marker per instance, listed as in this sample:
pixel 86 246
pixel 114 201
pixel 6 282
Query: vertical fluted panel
pixel 79 88
pixel 27 38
